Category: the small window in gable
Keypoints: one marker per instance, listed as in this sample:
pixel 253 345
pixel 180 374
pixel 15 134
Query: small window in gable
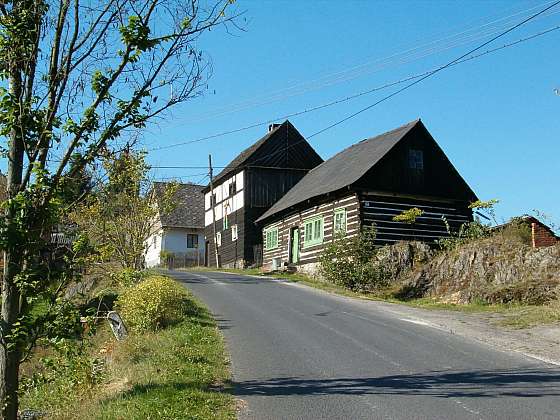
pixel 415 159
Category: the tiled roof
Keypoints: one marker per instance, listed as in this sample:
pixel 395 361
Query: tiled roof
pixel 189 211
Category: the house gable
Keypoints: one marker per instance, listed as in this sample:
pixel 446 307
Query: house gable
pixel 416 165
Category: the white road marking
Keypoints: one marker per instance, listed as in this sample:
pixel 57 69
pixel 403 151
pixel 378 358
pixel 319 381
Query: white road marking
pixel 424 323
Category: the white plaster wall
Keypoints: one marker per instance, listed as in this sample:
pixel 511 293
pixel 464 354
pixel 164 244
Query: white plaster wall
pixel 222 191
pixel 153 250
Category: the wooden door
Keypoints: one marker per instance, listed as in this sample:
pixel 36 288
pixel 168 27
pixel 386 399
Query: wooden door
pixel 294 240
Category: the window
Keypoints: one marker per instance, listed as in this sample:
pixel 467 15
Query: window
pixel 192 240
pixel 271 238
pixel 232 188
pixel 219 239
pixel 313 232
pixel 339 221
pixel 415 159
pixel 234 233
pixel 226 221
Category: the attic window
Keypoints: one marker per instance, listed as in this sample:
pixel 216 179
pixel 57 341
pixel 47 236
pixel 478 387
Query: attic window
pixel 415 159
pixel 232 188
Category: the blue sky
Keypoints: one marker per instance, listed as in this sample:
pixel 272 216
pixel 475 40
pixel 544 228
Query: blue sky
pixel 496 117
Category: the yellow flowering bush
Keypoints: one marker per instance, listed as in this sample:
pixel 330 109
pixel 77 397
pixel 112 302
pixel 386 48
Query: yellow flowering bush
pixel 153 303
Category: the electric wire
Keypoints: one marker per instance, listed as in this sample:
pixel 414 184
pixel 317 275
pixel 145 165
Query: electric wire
pixel 415 82
pixel 357 95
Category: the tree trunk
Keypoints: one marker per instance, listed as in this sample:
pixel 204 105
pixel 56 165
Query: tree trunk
pixel 10 354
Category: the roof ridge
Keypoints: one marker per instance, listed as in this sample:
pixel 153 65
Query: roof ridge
pixel 410 123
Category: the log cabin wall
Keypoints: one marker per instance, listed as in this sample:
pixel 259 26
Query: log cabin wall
pixel 310 254
pixel 379 210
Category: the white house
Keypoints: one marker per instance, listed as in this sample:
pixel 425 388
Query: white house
pixel 178 237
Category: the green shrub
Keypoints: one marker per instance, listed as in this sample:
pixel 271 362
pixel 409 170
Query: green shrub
pixel 127 277
pixel 154 303
pixel 351 263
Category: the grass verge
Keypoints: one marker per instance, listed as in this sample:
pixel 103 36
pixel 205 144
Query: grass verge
pixel 180 372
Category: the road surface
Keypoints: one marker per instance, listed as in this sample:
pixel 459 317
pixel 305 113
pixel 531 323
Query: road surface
pixel 300 353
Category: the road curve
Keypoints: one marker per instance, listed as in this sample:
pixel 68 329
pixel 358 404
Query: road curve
pixel 300 353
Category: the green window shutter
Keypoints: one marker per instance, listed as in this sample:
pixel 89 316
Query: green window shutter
pixel 313 232
pixel 271 238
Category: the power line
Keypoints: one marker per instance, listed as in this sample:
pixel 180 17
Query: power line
pixel 470 34
pixel 359 94
pixel 434 71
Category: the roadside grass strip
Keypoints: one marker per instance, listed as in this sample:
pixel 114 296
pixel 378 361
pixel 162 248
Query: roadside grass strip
pixel 180 372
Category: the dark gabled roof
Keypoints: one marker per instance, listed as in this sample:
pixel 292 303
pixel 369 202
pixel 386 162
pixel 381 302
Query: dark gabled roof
pixel 255 154
pixel 342 170
pixel 189 212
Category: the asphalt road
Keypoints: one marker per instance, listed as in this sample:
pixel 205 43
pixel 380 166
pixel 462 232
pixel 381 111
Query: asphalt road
pixel 299 353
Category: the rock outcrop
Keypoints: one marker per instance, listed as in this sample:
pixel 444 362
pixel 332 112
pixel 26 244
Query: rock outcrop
pixel 494 269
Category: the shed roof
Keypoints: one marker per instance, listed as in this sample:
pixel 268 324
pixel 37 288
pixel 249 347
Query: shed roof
pixel 189 212
pixel 342 170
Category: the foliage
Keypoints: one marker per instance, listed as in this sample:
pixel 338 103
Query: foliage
pixel 485 208
pixel 127 277
pixel 469 231
pixel 70 367
pixel 350 262
pixel 173 373
pixel 152 304
pixel 409 216
pixel 74 78
pixel 123 213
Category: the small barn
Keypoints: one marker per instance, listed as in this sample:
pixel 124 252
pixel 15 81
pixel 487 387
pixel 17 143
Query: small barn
pixel 368 183
pixel 246 188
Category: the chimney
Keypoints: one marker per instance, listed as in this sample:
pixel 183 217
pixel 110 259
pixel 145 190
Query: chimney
pixel 273 127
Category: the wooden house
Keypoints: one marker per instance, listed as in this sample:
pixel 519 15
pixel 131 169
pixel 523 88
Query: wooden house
pixel 256 179
pixel 367 183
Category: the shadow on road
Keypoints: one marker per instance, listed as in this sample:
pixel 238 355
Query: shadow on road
pixel 488 383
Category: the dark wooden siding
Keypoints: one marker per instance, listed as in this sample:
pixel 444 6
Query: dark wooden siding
pixel 231 252
pixel 326 209
pixel 380 210
pixel 438 178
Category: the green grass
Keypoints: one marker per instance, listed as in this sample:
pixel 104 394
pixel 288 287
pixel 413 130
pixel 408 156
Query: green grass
pixel 180 372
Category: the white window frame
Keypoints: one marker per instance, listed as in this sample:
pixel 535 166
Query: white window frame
pixel 234 233
pixel 343 226
pixel 219 239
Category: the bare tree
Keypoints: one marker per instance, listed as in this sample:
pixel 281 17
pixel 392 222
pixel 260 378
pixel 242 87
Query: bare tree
pixel 75 76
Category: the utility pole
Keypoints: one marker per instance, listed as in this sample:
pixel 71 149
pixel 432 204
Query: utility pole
pixel 213 205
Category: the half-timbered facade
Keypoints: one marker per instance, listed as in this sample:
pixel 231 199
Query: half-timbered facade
pixel 255 180
pixel 368 184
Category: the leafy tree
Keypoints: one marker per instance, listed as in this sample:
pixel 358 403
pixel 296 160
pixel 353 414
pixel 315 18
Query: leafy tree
pixel 75 76
pixel 122 213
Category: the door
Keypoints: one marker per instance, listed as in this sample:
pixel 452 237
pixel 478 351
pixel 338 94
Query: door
pixel 294 240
